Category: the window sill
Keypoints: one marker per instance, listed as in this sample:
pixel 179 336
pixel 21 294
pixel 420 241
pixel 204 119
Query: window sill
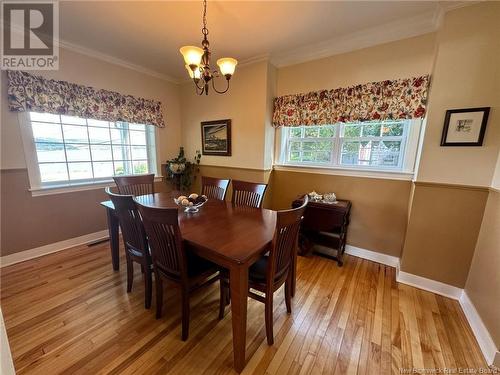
pixel 71 188
pixel 338 171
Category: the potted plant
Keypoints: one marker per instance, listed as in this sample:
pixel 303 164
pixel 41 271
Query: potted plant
pixel 182 172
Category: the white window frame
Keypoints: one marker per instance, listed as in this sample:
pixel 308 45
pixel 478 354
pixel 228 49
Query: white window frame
pixel 46 188
pixel 406 164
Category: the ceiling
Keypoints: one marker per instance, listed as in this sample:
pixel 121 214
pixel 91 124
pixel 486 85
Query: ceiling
pixel 148 34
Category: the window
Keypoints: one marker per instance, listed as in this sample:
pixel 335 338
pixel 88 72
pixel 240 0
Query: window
pixel 381 145
pixel 73 150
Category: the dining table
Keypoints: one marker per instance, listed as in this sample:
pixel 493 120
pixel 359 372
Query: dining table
pixel 231 236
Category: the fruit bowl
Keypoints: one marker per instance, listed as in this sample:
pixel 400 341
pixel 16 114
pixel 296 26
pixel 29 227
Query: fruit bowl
pixel 191 203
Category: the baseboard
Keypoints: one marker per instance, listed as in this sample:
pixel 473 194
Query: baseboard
pixel 6 364
pixel 22 256
pixel 374 256
pixel 433 286
pixel 483 337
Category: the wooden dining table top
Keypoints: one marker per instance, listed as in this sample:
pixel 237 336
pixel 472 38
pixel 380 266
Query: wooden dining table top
pixel 237 233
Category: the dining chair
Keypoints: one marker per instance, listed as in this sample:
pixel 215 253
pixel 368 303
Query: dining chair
pixel 173 261
pixel 135 241
pixel 135 185
pixel 275 268
pixel 248 193
pixel 214 188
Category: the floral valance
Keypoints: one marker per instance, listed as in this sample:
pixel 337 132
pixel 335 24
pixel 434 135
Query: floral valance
pixel 27 92
pixel 385 100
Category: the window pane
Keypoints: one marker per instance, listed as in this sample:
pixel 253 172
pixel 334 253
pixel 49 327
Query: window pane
pixel 137 138
pixel 75 134
pixel 295 156
pixel 307 156
pixel 371 130
pixel 53 172
pixel 101 124
pixel 80 171
pixel 101 152
pixel 137 127
pixel 351 131
pixel 119 136
pixel 50 152
pixel 123 167
pixel 350 151
pixel 103 169
pixel 140 166
pixel 327 131
pixel 323 156
pixel 118 125
pixel 393 129
pixel 44 132
pixel 295 146
pixel 139 152
pixel 45 117
pixel 295 132
pixel 311 131
pixel 99 135
pixel 77 152
pixel 73 120
pixel 121 153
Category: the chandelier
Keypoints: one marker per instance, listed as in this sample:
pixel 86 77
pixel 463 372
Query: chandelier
pixel 198 63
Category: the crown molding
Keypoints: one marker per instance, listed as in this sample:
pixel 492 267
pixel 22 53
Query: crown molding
pixel 389 32
pixel 116 61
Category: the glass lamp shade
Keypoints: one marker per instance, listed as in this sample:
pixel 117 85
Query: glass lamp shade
pixel 227 65
pixel 192 55
pixel 196 74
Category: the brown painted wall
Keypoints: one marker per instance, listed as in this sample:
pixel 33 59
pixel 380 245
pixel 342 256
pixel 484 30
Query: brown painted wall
pixel 483 283
pixel 28 222
pixel 442 231
pixel 379 211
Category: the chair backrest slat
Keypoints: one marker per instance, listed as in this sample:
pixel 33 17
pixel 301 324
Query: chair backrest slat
pixel 135 185
pixel 165 240
pixel 134 235
pixel 248 193
pixel 214 188
pixel 285 240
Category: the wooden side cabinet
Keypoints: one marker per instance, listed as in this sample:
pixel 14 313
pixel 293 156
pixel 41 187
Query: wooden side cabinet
pixel 324 224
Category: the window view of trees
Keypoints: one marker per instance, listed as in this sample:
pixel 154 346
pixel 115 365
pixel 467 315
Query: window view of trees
pixel 72 148
pixel 369 144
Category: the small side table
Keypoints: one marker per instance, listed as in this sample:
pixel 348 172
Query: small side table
pixel 324 224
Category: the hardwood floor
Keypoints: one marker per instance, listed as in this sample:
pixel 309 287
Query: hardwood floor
pixel 69 313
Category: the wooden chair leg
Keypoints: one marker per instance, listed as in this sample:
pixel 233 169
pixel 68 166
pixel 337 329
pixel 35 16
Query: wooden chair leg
pixel 159 295
pixel 269 318
pixel 147 287
pixel 223 298
pixel 185 314
pixel 288 293
pixel 293 277
pixel 130 274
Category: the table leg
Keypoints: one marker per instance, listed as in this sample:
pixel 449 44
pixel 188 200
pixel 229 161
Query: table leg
pixel 239 295
pixel 113 226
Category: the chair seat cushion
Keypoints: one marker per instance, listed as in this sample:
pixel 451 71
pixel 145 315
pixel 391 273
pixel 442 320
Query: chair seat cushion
pixel 197 266
pixel 258 270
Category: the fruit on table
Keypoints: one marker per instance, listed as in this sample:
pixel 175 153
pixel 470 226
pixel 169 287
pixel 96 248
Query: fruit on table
pixel 191 200
pixel 193 196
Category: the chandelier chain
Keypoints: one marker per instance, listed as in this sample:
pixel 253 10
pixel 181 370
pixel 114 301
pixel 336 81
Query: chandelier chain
pixel 204 30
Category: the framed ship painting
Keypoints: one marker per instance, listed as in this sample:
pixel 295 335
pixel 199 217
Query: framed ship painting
pixel 216 137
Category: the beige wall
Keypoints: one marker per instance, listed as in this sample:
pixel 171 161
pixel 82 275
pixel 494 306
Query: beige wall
pixel 483 282
pixel 379 206
pixel 28 222
pixel 445 220
pixel 245 104
pixel 401 59
pixel 442 232
pixel 460 82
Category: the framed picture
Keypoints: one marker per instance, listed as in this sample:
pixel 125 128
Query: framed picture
pixel 465 127
pixel 216 137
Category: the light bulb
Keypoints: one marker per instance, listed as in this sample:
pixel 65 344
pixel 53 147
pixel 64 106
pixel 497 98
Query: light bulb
pixel 196 74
